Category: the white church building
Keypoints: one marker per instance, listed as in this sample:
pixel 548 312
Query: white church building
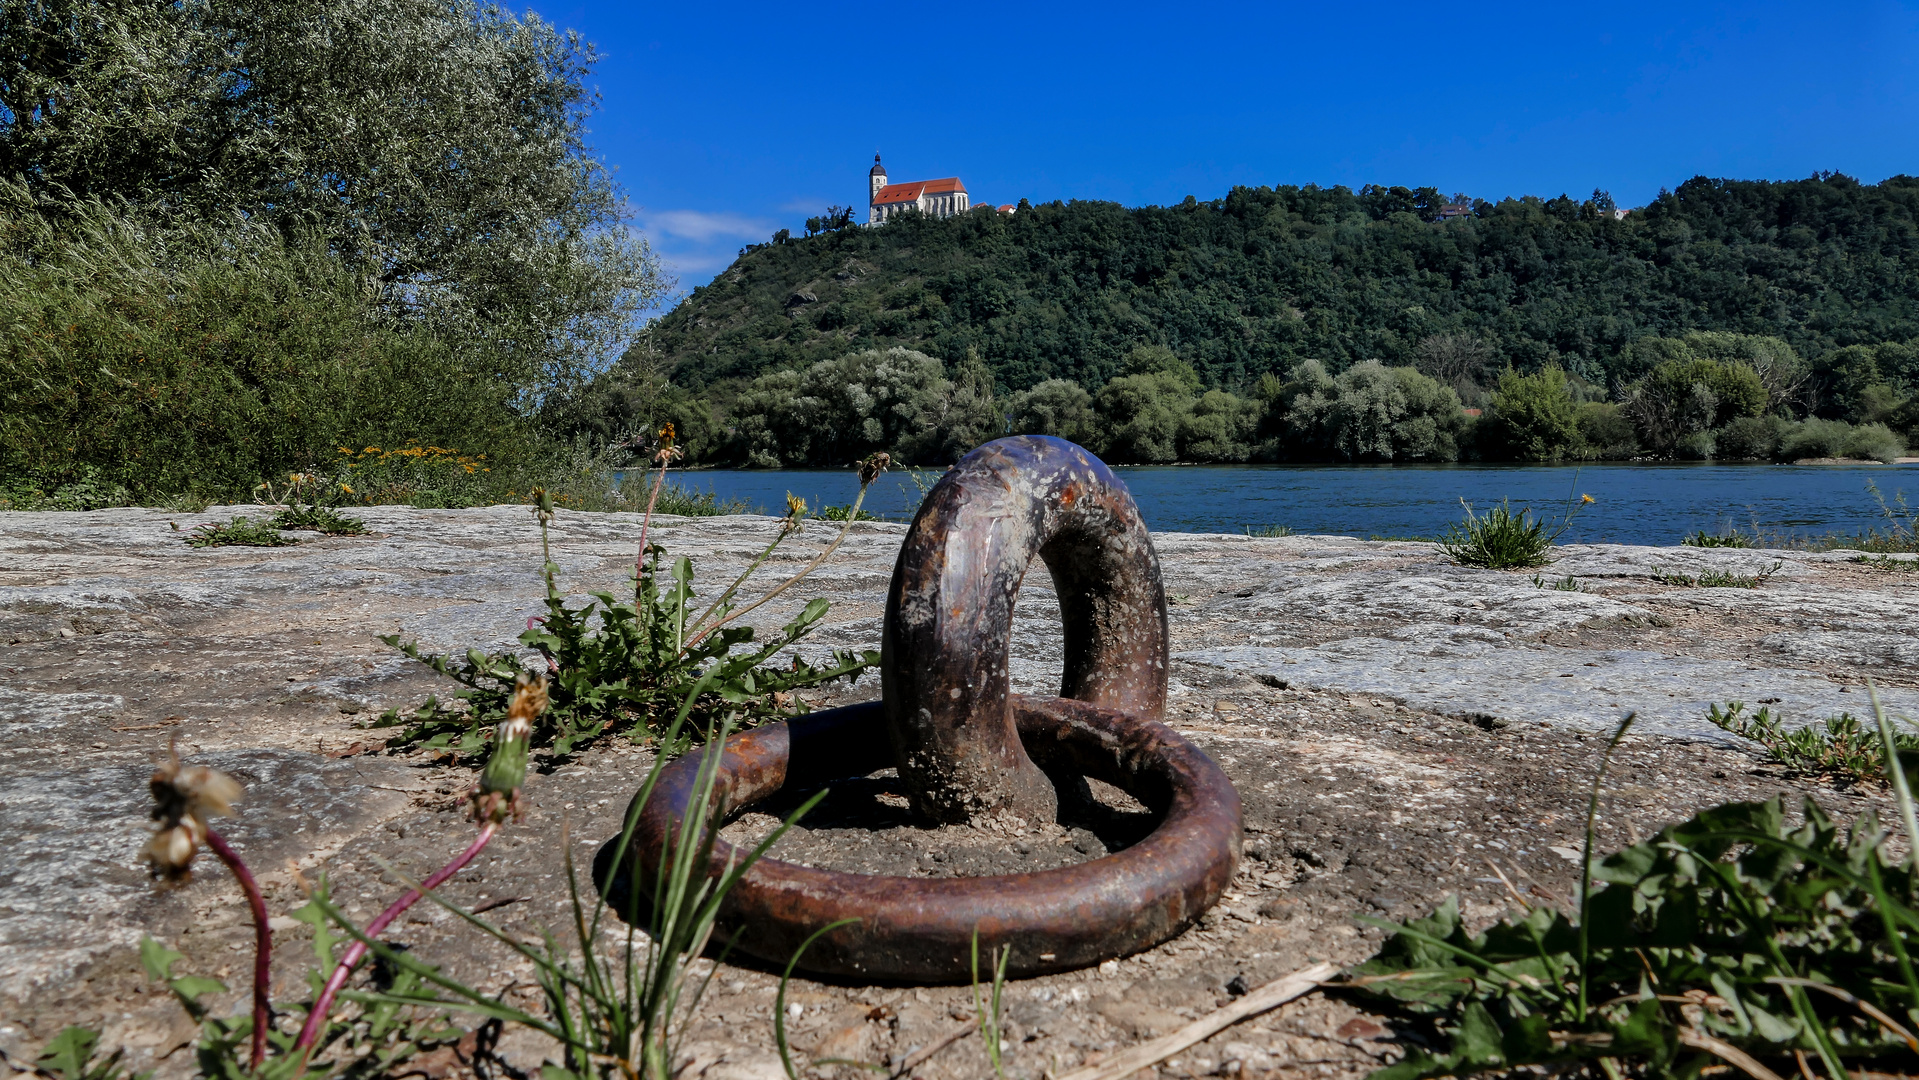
pixel 937 198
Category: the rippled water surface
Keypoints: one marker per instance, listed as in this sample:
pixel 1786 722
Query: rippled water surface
pixel 1634 504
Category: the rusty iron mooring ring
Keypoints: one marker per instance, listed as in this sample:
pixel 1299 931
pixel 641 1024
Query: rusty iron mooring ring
pixel 948 720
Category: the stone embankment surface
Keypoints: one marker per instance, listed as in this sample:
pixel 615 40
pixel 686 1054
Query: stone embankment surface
pixel 1392 721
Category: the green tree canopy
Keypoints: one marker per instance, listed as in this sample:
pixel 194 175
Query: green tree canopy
pixel 1532 416
pixel 838 411
pixel 1055 407
pixel 1369 412
pixel 1259 280
pixel 438 149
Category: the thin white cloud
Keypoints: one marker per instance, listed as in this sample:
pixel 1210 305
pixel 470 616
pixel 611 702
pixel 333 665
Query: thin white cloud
pixel 698 267
pixel 696 244
pixel 809 207
pixel 699 226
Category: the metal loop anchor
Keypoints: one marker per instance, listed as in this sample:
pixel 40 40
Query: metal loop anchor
pixel 965 745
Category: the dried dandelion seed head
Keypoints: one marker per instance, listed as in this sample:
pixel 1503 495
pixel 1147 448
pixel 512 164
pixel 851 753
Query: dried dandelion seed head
pixel 497 795
pixel 529 701
pixel 184 797
pixel 873 466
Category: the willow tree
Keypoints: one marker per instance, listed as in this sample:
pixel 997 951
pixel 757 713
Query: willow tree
pixel 437 147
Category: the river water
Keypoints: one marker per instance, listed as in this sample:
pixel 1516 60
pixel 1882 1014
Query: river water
pixel 1632 504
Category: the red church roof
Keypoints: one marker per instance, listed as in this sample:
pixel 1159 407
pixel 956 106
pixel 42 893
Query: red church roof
pixel 913 189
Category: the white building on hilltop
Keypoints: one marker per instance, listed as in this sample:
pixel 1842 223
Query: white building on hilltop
pixel 938 198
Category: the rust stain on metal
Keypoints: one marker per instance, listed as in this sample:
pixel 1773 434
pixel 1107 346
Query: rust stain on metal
pixel 965 745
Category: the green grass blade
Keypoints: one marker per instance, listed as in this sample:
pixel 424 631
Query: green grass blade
pixel 1586 865
pixel 779 998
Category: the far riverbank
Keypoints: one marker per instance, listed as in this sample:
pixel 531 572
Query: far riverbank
pixel 1633 503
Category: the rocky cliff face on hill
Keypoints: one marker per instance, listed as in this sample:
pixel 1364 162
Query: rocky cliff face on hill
pixel 1392 722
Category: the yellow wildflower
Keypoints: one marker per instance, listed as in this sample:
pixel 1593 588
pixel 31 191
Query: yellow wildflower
pixel 1585 498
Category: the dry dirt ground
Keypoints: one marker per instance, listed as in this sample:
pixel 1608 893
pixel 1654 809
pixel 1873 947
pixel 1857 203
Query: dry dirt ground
pixel 1396 726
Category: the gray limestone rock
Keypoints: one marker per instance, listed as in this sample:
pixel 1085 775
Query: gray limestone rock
pixel 1592 690
pixel 72 885
pixel 116 637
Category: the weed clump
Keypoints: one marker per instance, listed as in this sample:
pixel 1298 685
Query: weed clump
pixel 845 513
pixel 1718 579
pixel 1838 748
pixel 685 502
pixel 1502 540
pixel 1736 938
pixel 620 666
pixel 240 532
pixel 1728 539
pixel 321 519
pixel 1899 534
pixel 1887 562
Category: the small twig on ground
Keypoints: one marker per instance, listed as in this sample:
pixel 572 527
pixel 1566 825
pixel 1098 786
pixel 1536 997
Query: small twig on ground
pixel 1148 1054
pixel 1731 1054
pixel 925 1053
pixel 1503 880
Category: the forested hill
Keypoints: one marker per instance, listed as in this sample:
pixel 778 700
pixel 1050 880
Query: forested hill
pixel 1267 277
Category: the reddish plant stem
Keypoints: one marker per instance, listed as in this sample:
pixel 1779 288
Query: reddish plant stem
pixel 852 519
pixel 639 564
pixel 262 943
pixel 552 665
pixel 316 1019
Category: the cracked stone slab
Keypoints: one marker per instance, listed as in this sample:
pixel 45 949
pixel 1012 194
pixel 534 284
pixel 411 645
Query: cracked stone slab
pixel 114 636
pixel 72 884
pixel 1586 689
pixel 1499 602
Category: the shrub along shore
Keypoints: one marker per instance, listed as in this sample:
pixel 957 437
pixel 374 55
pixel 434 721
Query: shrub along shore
pixel 1705 395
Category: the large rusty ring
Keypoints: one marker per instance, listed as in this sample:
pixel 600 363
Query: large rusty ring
pixel 965 745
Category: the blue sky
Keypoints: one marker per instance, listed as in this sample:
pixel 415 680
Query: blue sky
pixel 728 121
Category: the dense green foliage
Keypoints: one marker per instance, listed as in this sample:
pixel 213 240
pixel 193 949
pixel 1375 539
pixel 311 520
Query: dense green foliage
pixel 1157 411
pixel 193 357
pixel 439 148
pixel 1699 948
pixel 235 236
pixel 1316 324
pixel 1258 281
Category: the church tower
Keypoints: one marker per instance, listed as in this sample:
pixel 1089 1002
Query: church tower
pixel 876 179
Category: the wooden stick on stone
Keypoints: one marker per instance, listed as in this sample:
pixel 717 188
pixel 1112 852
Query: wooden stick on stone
pixel 1147 1054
